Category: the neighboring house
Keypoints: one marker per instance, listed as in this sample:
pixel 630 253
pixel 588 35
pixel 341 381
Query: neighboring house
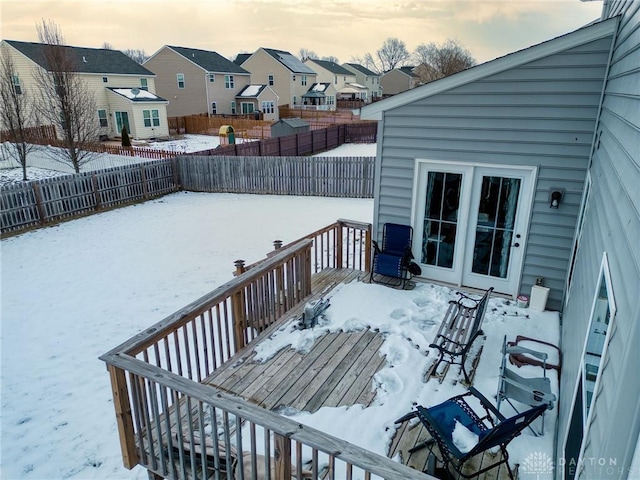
pixel 398 80
pixel 197 81
pixel 370 80
pixel 472 161
pixel 258 98
pixel 343 80
pixel 124 91
pixel 320 96
pixel 283 72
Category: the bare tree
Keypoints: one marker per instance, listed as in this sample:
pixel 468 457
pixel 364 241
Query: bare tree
pixel 392 54
pixel 437 61
pixel 65 98
pixel 17 114
pixel 305 53
pixel 107 46
pixel 136 54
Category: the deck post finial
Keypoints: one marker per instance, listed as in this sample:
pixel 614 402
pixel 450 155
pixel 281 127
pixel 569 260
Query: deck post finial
pixel 277 244
pixel 239 266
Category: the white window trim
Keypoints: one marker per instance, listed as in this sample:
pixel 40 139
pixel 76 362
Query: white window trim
pixel 106 118
pixel 212 77
pixel 586 422
pixel 184 83
pixel 229 82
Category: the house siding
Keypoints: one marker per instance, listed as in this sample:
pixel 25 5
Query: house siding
pixel 192 99
pixel 541 114
pixel 611 225
pixel 395 81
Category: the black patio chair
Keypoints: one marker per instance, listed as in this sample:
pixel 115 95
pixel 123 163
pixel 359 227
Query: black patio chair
pixel 392 260
pixel 440 421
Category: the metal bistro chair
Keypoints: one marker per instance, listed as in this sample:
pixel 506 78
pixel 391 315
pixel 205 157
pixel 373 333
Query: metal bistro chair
pixel 441 420
pixel 392 260
pixel 528 391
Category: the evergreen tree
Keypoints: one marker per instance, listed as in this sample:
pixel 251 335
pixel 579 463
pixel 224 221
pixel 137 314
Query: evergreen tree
pixel 126 141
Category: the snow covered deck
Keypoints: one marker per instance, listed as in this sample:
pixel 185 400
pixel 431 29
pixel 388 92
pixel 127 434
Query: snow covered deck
pixel 232 370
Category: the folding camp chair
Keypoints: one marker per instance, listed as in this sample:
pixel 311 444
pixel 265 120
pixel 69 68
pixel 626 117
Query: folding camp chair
pixel 528 391
pixel 441 420
pixel 393 259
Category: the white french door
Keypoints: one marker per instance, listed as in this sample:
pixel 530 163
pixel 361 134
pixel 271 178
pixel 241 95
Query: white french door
pixel 471 223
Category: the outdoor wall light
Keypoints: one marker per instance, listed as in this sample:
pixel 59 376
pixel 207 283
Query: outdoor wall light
pixel 555 195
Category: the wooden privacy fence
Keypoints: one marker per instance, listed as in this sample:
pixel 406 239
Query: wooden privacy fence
pixel 159 398
pixel 39 202
pixel 318 176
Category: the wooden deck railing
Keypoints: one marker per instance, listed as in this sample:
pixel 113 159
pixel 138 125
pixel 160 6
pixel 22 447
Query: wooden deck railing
pixel 161 406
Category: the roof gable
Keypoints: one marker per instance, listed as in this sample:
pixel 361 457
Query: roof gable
pixel 208 60
pixel 289 61
pixel 550 47
pixel 85 60
pixel 362 69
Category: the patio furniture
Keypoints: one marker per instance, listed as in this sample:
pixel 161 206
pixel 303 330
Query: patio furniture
pixel 520 359
pixel 528 391
pixel 391 262
pixel 454 415
pixel 459 329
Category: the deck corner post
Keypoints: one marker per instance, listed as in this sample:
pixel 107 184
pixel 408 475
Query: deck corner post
pixel 283 457
pixel 339 244
pixel 367 249
pixel 124 417
pixel 277 244
pixel 238 309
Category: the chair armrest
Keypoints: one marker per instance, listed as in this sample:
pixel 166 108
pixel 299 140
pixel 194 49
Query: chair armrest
pixel 376 247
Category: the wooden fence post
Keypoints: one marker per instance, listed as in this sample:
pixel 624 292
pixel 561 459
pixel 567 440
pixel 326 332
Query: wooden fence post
pixel 238 306
pixel 124 419
pixel 38 196
pixel 96 191
pixel 282 456
pixel 143 180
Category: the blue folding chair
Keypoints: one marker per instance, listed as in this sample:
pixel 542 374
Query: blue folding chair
pixel 440 421
pixel 392 260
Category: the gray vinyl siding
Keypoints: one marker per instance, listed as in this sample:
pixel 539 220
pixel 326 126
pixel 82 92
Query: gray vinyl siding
pixel 539 114
pixel 611 225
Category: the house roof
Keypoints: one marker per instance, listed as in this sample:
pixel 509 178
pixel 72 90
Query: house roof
pixel 86 60
pixel 570 40
pixel 362 69
pixel 241 58
pixel 136 95
pixel 209 61
pixel 289 61
pixel 333 67
pixel 251 91
pixel 317 90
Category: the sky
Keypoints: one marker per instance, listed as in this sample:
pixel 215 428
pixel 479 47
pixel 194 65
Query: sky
pixel 338 28
pixel 73 291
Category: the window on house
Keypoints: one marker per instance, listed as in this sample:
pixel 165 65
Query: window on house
pixel 180 78
pixel 603 310
pixel 102 118
pixel 268 107
pixel 303 80
pixel 331 100
pixel 214 108
pixel 212 77
pixel 105 79
pixel 293 78
pixel 151 118
pixel 16 85
pixel 144 84
pixel 335 79
pixel 271 80
pixel 233 108
pixel 295 101
pixel 247 107
pixel 228 81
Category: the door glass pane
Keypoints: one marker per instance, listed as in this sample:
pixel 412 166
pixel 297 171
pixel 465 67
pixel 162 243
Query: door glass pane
pixel 494 231
pixel 442 204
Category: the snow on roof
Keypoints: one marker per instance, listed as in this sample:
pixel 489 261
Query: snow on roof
pixel 137 94
pixel 250 91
